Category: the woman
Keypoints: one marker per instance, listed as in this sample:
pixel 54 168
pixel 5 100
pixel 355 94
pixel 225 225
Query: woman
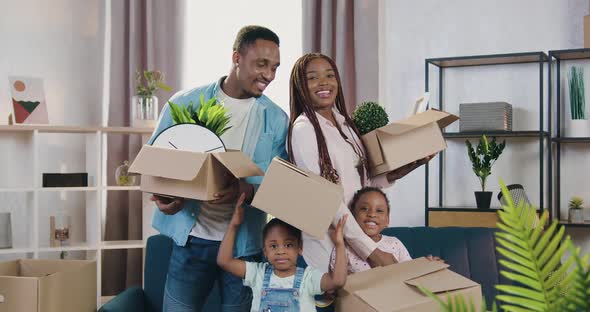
pixel 324 140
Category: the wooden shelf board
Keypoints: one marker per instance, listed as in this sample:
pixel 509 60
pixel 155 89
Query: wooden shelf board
pixel 493 59
pixel 507 134
pixel 8 251
pixel 125 244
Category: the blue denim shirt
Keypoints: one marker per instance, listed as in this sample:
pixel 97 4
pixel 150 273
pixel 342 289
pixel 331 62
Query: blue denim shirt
pixel 264 139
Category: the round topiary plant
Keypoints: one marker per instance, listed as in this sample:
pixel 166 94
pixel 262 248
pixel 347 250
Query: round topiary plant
pixel 369 116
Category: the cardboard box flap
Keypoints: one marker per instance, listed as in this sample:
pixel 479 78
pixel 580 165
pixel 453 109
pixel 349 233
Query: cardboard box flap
pixel 392 297
pixel 443 281
pixel 399 127
pixel 290 166
pixel 9 268
pixel 41 268
pixel 238 164
pixel 168 163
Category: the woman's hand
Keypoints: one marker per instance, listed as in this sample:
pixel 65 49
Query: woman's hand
pixel 404 170
pixel 434 258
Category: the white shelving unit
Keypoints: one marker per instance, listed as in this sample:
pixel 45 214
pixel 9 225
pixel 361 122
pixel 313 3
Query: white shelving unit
pixel 28 151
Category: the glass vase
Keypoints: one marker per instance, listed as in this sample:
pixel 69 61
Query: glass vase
pixel 122 175
pixel 144 111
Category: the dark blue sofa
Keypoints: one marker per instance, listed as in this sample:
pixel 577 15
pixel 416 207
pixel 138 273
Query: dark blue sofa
pixel 470 252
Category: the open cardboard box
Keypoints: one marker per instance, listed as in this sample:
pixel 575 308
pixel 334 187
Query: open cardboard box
pixel 394 288
pixel 303 199
pixel 189 174
pixel 410 139
pixel 47 286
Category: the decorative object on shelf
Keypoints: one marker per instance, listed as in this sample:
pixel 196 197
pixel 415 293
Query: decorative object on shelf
pixel 369 116
pixel 10 119
pixel 59 228
pixel 518 195
pixel 576 210
pixel 122 175
pixel 5 230
pixel 492 116
pixel 579 126
pixel 28 100
pixel 211 115
pixel 483 158
pixel 144 105
pixel 65 179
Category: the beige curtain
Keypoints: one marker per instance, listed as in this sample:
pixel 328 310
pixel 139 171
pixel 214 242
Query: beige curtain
pixel 348 32
pixel 144 35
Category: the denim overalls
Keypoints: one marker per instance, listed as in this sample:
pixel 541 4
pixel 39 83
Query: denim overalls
pixel 280 299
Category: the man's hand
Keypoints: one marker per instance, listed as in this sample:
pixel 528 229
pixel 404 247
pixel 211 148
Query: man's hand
pixel 230 193
pixel 404 170
pixel 168 205
pixel 380 258
pixel 238 216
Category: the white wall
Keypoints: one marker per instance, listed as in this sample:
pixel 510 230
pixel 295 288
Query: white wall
pixel 411 31
pixel 212 27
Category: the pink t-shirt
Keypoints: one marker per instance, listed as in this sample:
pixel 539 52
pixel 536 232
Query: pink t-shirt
pixel 387 244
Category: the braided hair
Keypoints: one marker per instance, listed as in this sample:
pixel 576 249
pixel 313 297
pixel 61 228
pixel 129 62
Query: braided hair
pixel 300 102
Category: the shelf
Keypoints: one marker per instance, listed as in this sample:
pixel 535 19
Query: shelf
pixel 568 224
pixel 125 244
pixel 71 247
pixel 71 189
pixel 570 54
pixel 492 59
pixel 74 129
pixel 123 188
pixel 463 209
pixel 16 189
pixel 16 251
pixel 571 140
pixel 505 134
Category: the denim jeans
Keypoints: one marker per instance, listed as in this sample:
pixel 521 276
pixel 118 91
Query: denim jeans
pixel 192 274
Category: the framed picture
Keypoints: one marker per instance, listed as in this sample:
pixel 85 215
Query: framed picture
pixel 28 100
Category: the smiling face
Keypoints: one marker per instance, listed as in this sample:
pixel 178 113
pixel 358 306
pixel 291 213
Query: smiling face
pixel 321 83
pixel 281 248
pixel 372 214
pixel 256 67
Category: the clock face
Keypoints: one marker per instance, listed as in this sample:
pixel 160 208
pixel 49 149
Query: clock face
pixel 189 137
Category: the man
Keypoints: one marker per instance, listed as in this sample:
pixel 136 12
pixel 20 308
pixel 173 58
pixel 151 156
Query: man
pixel 258 128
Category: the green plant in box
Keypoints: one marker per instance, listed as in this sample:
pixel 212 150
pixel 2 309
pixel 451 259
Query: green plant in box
pixel 209 114
pixel 369 116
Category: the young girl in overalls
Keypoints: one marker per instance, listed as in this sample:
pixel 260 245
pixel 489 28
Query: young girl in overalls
pixel 279 285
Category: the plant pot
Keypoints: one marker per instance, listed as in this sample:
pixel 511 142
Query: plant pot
pixel 578 128
pixel 144 111
pixel 576 215
pixel 483 199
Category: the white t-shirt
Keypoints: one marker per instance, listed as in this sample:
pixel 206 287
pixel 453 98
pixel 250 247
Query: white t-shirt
pixel 213 220
pixel 310 285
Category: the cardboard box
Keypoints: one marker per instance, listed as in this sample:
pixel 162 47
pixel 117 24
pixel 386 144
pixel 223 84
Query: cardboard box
pixel 190 174
pixel 402 142
pixel 48 286
pixel 394 288
pixel 303 199
pixel 587 31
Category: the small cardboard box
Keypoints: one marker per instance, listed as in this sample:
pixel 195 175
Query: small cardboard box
pixel 298 197
pixel 402 142
pixel 48 286
pixel 587 31
pixel 394 288
pixel 190 174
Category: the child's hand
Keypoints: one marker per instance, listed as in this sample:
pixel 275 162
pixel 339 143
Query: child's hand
pixel 339 232
pixel 434 258
pixel 238 216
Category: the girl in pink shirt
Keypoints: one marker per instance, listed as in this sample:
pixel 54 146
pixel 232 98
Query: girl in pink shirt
pixel 370 208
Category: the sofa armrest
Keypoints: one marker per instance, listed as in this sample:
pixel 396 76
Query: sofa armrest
pixel 132 299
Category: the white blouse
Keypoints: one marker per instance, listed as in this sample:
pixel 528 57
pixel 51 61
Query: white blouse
pixel 344 159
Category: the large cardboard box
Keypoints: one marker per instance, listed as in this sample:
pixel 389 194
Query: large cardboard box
pixel 48 286
pixel 303 199
pixel 394 288
pixel 190 174
pixel 402 142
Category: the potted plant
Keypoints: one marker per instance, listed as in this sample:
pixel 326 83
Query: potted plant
pixel 483 158
pixel 579 125
pixel 144 104
pixel 211 115
pixel 369 116
pixel 576 211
